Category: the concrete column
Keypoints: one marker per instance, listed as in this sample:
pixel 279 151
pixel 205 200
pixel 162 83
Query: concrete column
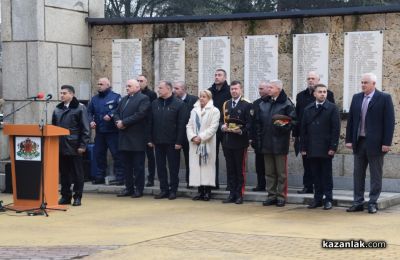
pixel 46 44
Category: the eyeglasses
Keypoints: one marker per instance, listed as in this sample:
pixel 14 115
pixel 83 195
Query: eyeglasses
pixel 140 80
pixel 100 84
pixel 364 82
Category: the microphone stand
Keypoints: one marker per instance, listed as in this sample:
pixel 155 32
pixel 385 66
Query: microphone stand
pixel 18 109
pixel 42 209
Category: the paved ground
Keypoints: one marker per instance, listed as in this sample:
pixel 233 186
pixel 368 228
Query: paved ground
pixel 107 227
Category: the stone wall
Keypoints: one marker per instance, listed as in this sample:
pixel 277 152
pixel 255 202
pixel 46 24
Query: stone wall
pixel 46 44
pixel 336 26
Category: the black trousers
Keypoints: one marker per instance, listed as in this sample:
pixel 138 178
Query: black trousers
pixel 71 172
pixel 260 170
pixel 321 169
pixel 168 152
pixel 151 163
pixel 218 142
pixel 308 178
pixel 133 162
pixel 236 170
pixel 185 148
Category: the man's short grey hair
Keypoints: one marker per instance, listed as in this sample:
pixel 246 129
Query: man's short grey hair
pixel 167 83
pixel 182 84
pixel 277 83
pixel 370 75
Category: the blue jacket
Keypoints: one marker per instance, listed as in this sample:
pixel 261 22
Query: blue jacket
pixel 104 103
pixel 379 122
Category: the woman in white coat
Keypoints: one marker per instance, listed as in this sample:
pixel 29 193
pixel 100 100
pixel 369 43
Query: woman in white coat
pixel 201 130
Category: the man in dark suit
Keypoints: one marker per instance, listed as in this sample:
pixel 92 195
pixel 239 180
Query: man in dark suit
pixel 369 133
pixel 303 99
pixel 220 92
pixel 260 167
pixel 130 117
pixel 167 135
pixel 180 91
pixel 320 130
pixel 236 126
pixel 151 160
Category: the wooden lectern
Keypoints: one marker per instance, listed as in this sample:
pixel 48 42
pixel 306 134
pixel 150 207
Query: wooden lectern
pixel 32 148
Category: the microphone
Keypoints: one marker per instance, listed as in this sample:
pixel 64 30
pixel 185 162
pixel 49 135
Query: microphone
pixel 39 95
pixel 49 96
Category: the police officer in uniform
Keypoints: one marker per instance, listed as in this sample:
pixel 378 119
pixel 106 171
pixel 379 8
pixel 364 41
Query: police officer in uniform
pixel 236 126
pixel 101 111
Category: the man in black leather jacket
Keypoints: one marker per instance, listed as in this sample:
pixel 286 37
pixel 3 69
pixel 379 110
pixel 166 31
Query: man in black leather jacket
pixel 275 118
pixel 72 115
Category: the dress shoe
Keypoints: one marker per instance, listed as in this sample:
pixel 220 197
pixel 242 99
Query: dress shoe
pixel 355 208
pixel 77 202
pixel 149 184
pixel 172 196
pixel 258 189
pixel 280 203
pixel 239 200
pixel 137 195
pixel 327 205
pixel 207 197
pixel 230 199
pixel 161 195
pixel 269 202
pixel 372 208
pixel 305 191
pixel 98 181
pixel 65 201
pixel 199 197
pixel 125 193
pixel 315 204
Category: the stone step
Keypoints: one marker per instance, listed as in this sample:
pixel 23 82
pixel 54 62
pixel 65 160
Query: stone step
pixel 341 198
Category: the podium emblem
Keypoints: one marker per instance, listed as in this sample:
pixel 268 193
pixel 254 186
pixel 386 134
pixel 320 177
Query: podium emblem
pixel 27 149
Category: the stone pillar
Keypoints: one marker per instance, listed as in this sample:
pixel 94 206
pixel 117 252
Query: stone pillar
pixel 46 44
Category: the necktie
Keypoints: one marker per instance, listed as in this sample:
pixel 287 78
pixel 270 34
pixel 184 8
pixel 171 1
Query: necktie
pixel 65 107
pixel 233 104
pixel 319 106
pixel 364 108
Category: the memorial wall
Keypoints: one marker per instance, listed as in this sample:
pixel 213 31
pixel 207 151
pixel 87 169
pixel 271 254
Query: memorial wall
pixel 340 48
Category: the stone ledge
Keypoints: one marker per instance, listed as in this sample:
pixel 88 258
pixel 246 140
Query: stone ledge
pixel 341 198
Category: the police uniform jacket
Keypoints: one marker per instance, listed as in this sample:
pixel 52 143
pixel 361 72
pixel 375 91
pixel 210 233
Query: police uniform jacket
pixel 320 129
pixel 168 125
pixel 104 103
pixel 274 139
pixel 241 112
